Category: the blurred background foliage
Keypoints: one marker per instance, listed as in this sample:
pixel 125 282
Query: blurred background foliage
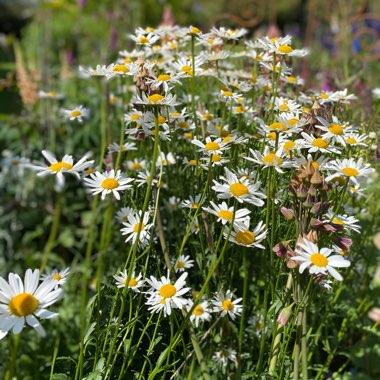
pixel 58 35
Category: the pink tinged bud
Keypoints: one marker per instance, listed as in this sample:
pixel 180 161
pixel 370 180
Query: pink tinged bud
pixel 343 242
pixel 285 315
pixel 309 202
pixel 374 314
pixel 301 192
pixel 287 213
pixel 280 250
pixel 316 178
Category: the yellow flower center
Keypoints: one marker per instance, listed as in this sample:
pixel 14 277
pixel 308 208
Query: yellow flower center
pixel 272 159
pixel 320 143
pixel 121 68
pixel 143 40
pixel 137 228
pixel 57 276
pixel 324 96
pixel 271 135
pixel 23 304
pixel 336 129
pixel 127 60
pixel 207 116
pixel 240 109
pixel 51 93
pixel 195 30
pixel 58 166
pixel 318 260
pixel 186 68
pixel 110 184
pixel 351 141
pixel 227 305
pixel 132 282
pixel 155 98
pixel 193 162
pixel 315 164
pixel 245 237
pixel 163 77
pixel 289 145
pixel 238 189
pixel 183 125
pixel 168 291
pixel 75 113
pixel 278 126
pixel 215 157
pixel 227 93
pixel 293 122
pixel 188 136
pixel 212 145
pixel 194 205
pixel 284 107
pixel 227 138
pixel 285 49
pixel 181 264
pixel 338 221
pixel 350 172
pixel 225 214
pixel 135 116
pixel 161 119
pixel 292 79
pixel 198 310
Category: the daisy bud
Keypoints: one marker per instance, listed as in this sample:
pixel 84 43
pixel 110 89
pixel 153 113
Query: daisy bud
pixel 312 191
pixel 374 314
pixel 280 250
pixel 301 192
pixel 287 213
pixel 318 225
pixel 309 202
pixel 310 170
pixel 316 178
pixel 342 242
pixel 285 315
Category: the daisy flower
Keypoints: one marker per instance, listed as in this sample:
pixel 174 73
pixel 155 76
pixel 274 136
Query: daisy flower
pixel 269 158
pixel 165 159
pixel 319 260
pixel 50 95
pixel 136 164
pixel 22 302
pixel 134 227
pixel 60 277
pixel 116 148
pixel 317 144
pixel 225 213
pixel 77 113
pixel 350 169
pixel 167 296
pixel 183 263
pixel 223 303
pixel 200 313
pixel 350 223
pixel 165 80
pixel 240 189
pixel 133 283
pixel 145 39
pixel 210 147
pixel 144 178
pixel 229 95
pixel 133 117
pixel 192 202
pixel 123 214
pixel 354 139
pixel 224 356
pixel 107 183
pixel 334 131
pixel 286 105
pixel 242 235
pixel 158 100
pixel 228 34
pixel 66 165
pixel 184 66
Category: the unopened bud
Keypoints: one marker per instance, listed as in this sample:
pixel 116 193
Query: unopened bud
pixel 312 191
pixel 285 315
pixel 301 192
pixel 309 202
pixel 316 179
pixel 343 242
pixel 287 213
pixel 280 250
pixel 374 314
